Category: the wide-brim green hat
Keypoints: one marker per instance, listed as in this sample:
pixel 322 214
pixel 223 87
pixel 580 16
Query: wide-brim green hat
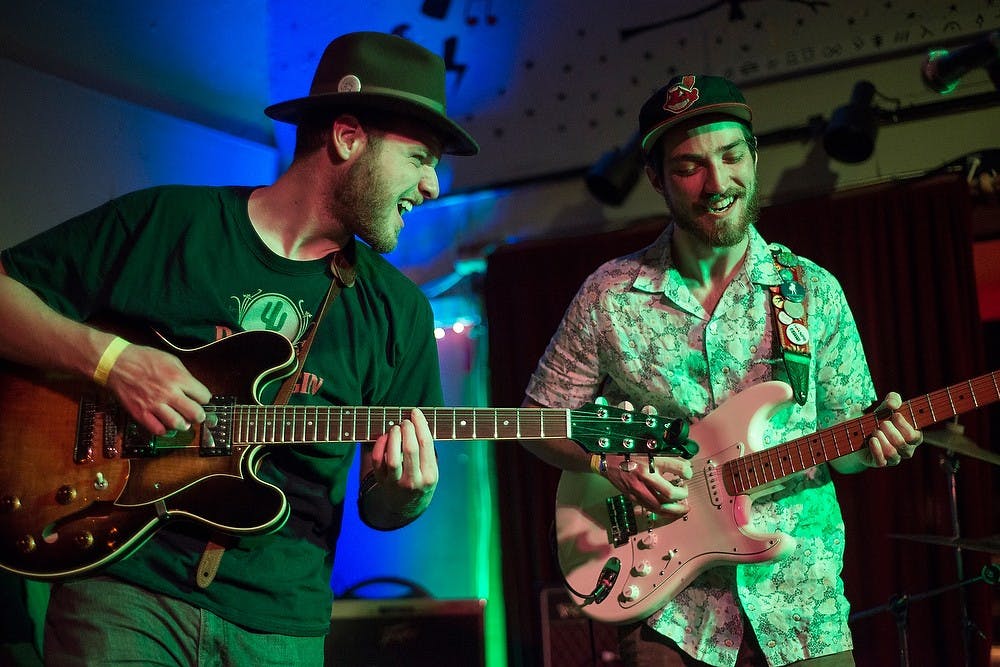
pixel 373 70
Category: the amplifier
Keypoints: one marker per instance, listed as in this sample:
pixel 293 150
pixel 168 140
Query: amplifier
pixel 407 632
pixel 570 638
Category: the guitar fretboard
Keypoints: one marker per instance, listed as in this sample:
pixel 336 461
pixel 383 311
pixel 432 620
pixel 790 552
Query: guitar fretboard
pixel 288 424
pixel 746 473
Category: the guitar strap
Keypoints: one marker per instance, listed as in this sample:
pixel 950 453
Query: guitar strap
pixel 344 274
pixel 788 305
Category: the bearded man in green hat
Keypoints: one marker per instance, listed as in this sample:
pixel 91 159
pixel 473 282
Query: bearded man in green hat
pixel 201 266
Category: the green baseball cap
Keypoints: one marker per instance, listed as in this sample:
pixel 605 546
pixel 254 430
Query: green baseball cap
pixel 687 96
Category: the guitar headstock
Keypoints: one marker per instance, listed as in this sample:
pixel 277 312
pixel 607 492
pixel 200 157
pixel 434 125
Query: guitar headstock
pixel 602 429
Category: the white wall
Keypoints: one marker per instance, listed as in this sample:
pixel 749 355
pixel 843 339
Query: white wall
pixel 67 149
pixel 787 170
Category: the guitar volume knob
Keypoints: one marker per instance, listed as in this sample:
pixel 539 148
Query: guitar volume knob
pixel 649 540
pixel 642 568
pixel 65 495
pixel 631 593
pixel 26 544
pixel 10 504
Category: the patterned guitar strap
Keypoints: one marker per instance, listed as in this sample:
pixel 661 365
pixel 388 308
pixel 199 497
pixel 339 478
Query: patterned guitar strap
pixel 344 274
pixel 788 305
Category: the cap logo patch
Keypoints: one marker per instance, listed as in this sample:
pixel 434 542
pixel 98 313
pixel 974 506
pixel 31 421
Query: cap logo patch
pixel 349 84
pixel 681 96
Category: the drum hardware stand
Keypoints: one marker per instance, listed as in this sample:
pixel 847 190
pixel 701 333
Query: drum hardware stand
pixel 899 604
pixel 950 464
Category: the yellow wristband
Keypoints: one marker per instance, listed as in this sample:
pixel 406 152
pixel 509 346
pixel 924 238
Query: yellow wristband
pixel 597 464
pixel 108 360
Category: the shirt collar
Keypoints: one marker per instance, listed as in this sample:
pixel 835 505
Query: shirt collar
pixel 658 273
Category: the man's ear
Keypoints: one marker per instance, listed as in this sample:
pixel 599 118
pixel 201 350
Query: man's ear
pixel 346 136
pixel 654 179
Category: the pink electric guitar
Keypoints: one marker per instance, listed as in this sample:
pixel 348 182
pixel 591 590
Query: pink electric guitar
pixel 622 564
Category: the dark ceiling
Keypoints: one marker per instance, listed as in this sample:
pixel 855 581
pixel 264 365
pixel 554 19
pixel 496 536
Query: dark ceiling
pixel 545 86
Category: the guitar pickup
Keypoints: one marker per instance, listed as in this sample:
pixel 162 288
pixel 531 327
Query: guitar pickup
pixel 216 432
pixel 137 442
pixel 621 520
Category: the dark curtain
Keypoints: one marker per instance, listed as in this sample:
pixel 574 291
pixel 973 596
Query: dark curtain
pixel 903 253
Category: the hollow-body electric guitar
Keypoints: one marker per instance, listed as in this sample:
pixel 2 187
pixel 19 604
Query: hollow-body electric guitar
pixel 621 564
pixel 82 485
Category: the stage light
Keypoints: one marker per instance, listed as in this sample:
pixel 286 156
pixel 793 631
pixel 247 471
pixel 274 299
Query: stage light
pixel 850 134
pixel 615 174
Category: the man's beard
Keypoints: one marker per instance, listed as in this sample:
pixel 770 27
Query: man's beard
pixel 361 202
pixel 721 236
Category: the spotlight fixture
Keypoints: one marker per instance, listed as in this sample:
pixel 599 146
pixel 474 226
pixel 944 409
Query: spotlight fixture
pixel 850 134
pixel 614 175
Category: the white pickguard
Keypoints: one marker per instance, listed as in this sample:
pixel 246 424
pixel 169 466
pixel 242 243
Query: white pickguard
pixel 662 558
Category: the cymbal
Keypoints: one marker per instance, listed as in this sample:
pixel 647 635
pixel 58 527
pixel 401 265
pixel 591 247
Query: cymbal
pixel 990 544
pixel 956 442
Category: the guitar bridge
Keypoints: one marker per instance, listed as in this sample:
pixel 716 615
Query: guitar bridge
pixel 621 520
pixel 96 424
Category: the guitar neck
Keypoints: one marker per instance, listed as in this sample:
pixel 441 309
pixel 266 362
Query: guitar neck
pixel 296 424
pixel 749 472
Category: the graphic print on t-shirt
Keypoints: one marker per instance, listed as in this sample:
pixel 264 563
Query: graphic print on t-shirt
pixel 268 311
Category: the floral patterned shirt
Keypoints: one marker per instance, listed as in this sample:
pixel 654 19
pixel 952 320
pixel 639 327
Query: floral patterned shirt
pixel 635 332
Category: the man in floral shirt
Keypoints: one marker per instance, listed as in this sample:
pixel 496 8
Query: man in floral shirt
pixel 705 312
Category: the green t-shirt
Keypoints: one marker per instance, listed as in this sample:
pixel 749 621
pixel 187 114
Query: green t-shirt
pixel 187 261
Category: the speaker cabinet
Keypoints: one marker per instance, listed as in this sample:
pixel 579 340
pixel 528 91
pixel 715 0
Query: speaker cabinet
pixel 410 632
pixel 571 639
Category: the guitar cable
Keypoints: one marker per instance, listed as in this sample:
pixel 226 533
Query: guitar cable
pixel 605 580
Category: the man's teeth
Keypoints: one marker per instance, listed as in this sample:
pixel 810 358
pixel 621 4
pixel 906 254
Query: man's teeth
pixel 405 206
pixel 721 205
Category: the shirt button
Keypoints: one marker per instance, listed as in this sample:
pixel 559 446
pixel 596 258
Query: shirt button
pixel 772 644
pixel 729 643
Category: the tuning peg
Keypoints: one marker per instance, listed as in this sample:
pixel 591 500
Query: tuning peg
pixel 627 406
pixel 627 464
pixel 600 400
pixel 649 410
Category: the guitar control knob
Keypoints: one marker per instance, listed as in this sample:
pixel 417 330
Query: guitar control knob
pixel 84 540
pixel 26 544
pixel 642 568
pixel 631 592
pixel 649 540
pixel 9 504
pixel 65 495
